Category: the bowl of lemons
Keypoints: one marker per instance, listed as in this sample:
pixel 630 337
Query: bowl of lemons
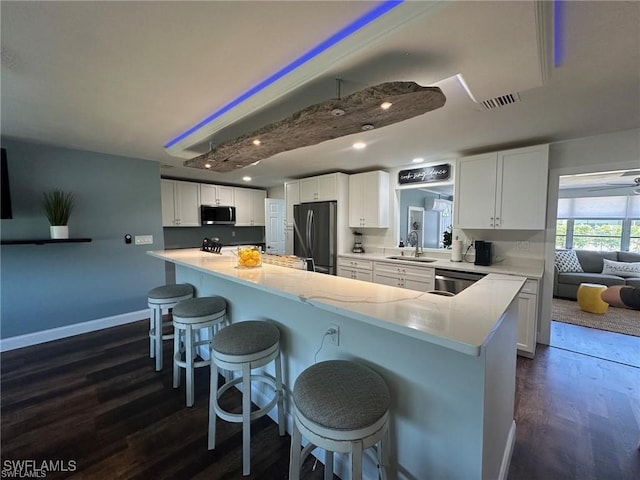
pixel 249 257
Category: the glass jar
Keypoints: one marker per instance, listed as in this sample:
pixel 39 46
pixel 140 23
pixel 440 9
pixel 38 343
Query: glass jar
pixel 249 257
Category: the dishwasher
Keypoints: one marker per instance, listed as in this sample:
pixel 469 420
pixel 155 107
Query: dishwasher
pixel 453 282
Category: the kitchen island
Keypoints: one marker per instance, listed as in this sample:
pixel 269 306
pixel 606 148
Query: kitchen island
pixel 449 361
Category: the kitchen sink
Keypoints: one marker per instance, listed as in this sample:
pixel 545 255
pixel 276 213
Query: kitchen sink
pixel 412 259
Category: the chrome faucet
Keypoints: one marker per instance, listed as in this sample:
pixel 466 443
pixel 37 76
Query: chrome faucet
pixel 413 236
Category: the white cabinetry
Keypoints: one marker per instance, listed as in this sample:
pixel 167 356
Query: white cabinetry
pixel 356 269
pixel 320 188
pixel 249 204
pixel 180 203
pixel 503 190
pixel 369 200
pixel 292 197
pixel 216 195
pixel 413 278
pixel 527 318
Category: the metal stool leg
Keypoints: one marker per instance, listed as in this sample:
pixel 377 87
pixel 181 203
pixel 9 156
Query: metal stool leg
pixel 213 392
pixel 176 357
pixel 246 418
pixel 328 465
pixel 152 343
pixel 158 337
pixel 356 461
pixel 294 457
pixel 280 395
pixel 189 360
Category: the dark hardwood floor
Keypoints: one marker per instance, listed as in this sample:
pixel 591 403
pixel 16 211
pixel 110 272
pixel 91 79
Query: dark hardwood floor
pixel 95 399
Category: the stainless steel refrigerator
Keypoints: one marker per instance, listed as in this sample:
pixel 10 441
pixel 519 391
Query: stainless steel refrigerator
pixel 315 234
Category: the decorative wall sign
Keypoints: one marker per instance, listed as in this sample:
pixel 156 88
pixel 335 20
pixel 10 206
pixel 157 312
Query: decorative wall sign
pixel 435 173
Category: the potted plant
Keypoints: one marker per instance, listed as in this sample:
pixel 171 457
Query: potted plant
pixel 447 237
pixel 58 206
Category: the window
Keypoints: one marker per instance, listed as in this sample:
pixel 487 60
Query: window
pixel 599 223
pixel 634 236
pixel 601 235
pixel 561 233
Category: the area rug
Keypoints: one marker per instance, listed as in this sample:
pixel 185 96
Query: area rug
pixel 619 320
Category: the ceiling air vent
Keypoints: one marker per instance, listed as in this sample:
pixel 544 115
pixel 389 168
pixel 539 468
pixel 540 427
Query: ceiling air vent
pixel 501 101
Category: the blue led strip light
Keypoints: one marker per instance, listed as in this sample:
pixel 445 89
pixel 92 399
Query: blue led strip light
pixel 558 40
pixel 364 20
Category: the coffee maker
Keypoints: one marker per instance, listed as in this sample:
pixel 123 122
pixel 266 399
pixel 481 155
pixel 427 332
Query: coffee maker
pixel 357 243
pixel 483 253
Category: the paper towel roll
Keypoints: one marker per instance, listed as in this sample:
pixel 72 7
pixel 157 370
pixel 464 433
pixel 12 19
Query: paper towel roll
pixel 456 251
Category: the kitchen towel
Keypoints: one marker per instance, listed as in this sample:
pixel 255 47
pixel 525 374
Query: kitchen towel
pixel 456 251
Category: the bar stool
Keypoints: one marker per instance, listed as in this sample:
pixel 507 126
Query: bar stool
pixel 158 299
pixel 191 316
pixel 243 347
pixel 340 406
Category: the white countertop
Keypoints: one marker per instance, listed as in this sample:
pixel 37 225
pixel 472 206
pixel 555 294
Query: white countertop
pixel 463 323
pixel 529 271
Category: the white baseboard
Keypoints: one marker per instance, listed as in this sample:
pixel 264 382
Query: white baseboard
pixel 35 338
pixel 508 452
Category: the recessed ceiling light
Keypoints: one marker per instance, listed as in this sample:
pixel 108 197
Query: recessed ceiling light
pixel 385 105
pixel 257 141
pixel 207 165
pixel 246 179
pixel 359 145
pixel 418 160
pixel 367 126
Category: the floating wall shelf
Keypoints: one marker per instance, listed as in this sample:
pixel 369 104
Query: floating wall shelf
pixel 38 241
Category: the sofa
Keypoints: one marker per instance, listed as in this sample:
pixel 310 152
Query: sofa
pixel 614 271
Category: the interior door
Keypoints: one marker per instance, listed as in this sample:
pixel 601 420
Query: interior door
pixel 275 225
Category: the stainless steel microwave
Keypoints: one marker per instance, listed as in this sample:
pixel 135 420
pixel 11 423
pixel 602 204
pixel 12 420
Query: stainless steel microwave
pixel 217 215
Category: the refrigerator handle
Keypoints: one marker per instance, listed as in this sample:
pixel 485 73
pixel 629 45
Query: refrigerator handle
pixel 309 232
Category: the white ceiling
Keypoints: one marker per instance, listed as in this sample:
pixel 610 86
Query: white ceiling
pixel 126 77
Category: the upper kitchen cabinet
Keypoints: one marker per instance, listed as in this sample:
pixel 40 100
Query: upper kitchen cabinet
pixel 292 197
pixel 216 195
pixel 320 188
pixel 502 190
pixel 249 207
pixel 369 200
pixel 180 203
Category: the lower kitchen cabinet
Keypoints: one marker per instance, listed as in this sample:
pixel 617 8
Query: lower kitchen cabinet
pixel 421 279
pixel 355 269
pixel 528 318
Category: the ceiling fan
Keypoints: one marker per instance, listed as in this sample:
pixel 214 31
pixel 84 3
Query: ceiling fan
pixel 635 184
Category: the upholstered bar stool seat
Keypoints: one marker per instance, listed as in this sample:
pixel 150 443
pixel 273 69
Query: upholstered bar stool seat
pixel 163 298
pixel 243 347
pixel 340 406
pixel 189 318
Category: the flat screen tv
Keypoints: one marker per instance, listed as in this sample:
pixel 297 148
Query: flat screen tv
pixel 5 198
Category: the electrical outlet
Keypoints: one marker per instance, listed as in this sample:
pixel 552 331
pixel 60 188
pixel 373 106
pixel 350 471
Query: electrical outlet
pixel 144 239
pixel 524 245
pixel 334 337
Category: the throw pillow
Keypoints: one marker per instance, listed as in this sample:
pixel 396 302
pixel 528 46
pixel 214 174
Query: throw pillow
pixel 621 269
pixel 567 261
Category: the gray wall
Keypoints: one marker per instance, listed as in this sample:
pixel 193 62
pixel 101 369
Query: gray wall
pixel 49 286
